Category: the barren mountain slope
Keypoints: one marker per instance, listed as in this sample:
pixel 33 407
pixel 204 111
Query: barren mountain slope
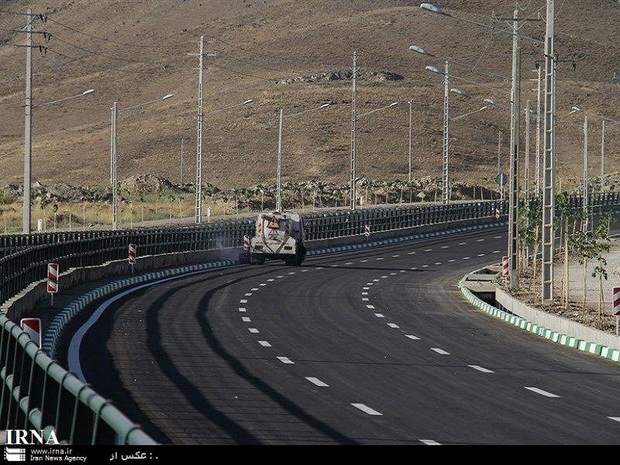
pixel 296 56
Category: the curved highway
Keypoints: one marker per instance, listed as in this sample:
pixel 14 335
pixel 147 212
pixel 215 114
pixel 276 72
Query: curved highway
pixel 374 347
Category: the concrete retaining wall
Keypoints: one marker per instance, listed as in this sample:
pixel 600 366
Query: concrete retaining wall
pixel 554 322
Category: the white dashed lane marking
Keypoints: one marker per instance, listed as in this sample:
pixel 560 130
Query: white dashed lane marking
pixel 393 325
pixel 479 368
pixel 286 360
pixel 246 319
pixel 364 408
pixel 242 309
pixel 541 391
pixel 379 315
pixel 243 301
pixel 614 418
pixel 429 442
pixel 317 381
pixel 253 330
pixel 411 336
pixel 440 351
pixel 264 343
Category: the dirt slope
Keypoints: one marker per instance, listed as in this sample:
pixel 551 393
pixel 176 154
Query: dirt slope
pixel 296 55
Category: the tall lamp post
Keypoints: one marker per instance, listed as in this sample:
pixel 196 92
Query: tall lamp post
pixel 198 202
pixel 445 195
pixel 548 237
pixel 113 157
pixel 279 160
pixel 353 180
pixel 27 217
pixel 410 102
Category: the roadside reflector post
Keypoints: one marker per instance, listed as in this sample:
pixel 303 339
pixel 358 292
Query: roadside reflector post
pixel 132 256
pixel 52 281
pixel 32 327
pixel 615 302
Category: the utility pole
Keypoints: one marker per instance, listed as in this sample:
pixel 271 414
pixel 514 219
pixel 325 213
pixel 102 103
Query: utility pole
pixel 26 213
pixel 198 203
pixel 279 165
pixel 500 180
pixel 586 199
pixel 28 128
pixel 538 125
pixel 526 173
pixel 113 165
pixel 513 213
pixel 409 158
pixel 446 138
pixel 602 155
pixel 352 193
pixel 548 232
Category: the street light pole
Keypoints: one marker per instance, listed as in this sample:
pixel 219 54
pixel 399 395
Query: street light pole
pixel 445 196
pixel 353 200
pixel 279 159
pixel 279 166
pixel 513 231
pixel 410 111
pixel 586 199
pixel 113 170
pixel 113 154
pixel 352 181
pixel 548 230
pixel 28 130
pixel 201 115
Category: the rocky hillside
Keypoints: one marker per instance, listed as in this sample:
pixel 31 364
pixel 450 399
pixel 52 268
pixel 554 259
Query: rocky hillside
pixel 296 56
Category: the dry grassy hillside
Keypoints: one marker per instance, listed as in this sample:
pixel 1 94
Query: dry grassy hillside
pixel 279 52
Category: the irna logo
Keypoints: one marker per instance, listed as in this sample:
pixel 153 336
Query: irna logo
pixel 31 437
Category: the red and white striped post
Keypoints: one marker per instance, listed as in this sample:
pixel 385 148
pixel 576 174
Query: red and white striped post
pixel 32 327
pixel 132 256
pixel 616 305
pixel 505 266
pixel 246 243
pixel 367 231
pixel 52 281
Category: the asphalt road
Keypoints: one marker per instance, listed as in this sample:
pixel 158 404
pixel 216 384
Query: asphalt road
pixel 375 347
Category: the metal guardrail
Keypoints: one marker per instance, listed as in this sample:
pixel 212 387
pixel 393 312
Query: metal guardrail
pixel 37 393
